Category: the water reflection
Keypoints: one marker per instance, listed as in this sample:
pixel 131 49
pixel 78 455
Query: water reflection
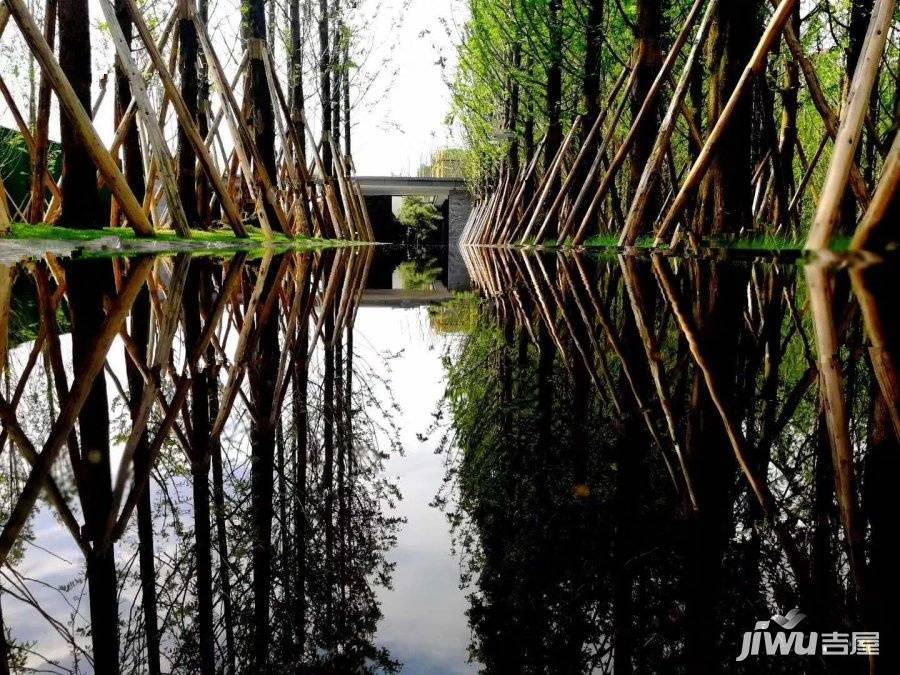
pixel 222 481
pixel 645 457
pixel 651 455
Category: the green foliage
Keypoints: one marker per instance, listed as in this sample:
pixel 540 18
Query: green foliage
pixel 419 275
pixel 419 214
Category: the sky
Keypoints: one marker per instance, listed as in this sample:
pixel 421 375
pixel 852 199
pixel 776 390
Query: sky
pixel 405 51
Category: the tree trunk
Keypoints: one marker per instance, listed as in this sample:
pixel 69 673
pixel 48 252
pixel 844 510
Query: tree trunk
pixel 593 64
pixel 261 116
pixel 295 82
pixel 728 183
pixel 648 61
pixel 325 83
pixel 81 201
pixel 41 139
pixel 301 431
pixel 187 158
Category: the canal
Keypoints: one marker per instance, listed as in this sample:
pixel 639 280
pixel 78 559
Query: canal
pixel 566 463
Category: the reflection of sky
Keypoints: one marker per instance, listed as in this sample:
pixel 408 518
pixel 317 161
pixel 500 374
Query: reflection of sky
pixel 424 623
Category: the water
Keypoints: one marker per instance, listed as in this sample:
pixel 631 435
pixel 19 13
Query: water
pixel 535 463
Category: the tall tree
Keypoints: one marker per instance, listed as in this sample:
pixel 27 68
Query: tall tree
pixel 187 68
pixel 647 62
pixel 81 200
pixel 325 82
pixel 261 115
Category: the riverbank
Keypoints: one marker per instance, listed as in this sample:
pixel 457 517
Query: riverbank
pixel 28 241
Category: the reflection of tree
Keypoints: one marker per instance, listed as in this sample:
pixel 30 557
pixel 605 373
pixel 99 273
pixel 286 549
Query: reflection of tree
pixel 231 400
pixel 666 482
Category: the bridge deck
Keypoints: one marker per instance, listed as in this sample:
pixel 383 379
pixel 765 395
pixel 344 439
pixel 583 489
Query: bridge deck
pixel 402 186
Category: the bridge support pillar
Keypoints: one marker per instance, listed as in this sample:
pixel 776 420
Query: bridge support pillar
pixel 458 210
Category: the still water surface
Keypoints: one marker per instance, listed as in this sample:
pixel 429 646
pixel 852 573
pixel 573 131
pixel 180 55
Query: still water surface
pixel 536 463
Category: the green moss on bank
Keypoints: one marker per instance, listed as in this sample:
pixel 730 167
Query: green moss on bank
pixel 220 236
pixel 94 243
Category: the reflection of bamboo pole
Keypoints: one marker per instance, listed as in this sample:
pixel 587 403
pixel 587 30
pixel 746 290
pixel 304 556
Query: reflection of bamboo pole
pixel 115 528
pixel 757 484
pixel 705 158
pixel 81 388
pixel 654 361
pixel 848 138
pixel 56 496
pixel 167 323
pixel 875 224
pixel 831 387
pixel 5 300
pixel 875 306
pixel 79 118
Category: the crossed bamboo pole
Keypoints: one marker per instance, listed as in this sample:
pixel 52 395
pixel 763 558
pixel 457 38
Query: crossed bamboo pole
pixel 517 226
pixel 285 202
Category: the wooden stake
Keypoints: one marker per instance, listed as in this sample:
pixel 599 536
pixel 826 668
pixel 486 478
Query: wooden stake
pixel 705 158
pixel 646 107
pixel 68 100
pixel 165 164
pixel 5 220
pixel 638 211
pixel 847 141
pixel 875 227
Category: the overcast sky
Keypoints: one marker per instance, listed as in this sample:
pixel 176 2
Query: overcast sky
pixel 400 91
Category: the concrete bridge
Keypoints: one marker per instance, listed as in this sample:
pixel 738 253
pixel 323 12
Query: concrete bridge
pixel 452 198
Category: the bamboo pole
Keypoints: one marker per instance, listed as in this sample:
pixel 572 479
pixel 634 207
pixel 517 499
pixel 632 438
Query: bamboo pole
pixel 5 220
pixel 185 119
pixel 582 154
pixel 705 158
pixel 646 107
pixel 829 118
pixel 638 211
pixel 599 158
pixel 27 136
pixel 550 179
pixel 165 164
pixel 847 141
pixel 69 102
pixel 875 227
pixel 807 176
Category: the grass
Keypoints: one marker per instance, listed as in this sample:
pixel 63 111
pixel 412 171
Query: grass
pixel 217 240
